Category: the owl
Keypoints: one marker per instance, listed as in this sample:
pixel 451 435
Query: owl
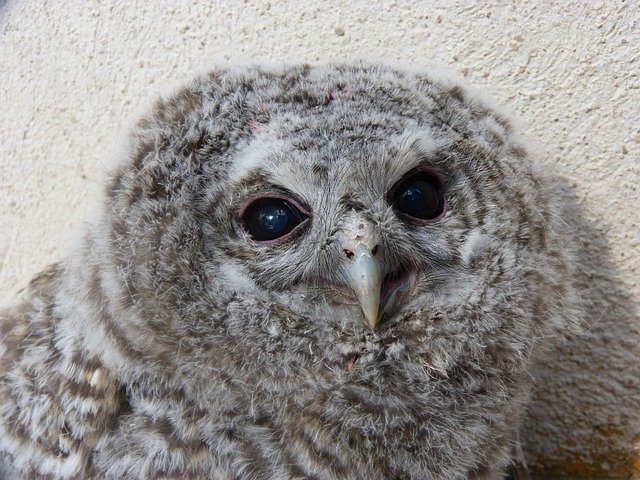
pixel 301 272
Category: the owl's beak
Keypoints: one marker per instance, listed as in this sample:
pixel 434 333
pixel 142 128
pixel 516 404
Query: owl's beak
pixel 364 276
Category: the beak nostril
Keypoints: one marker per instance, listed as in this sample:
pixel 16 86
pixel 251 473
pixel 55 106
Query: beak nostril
pixel 374 251
pixel 348 253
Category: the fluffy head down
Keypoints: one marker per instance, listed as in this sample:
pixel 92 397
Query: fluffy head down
pixel 249 359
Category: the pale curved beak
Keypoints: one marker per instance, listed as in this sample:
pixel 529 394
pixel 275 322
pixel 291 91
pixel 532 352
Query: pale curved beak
pixel 364 276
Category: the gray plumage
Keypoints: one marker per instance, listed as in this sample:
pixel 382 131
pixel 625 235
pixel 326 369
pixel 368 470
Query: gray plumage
pixel 176 345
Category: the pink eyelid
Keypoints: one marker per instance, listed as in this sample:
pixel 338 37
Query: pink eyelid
pixel 259 196
pixel 437 176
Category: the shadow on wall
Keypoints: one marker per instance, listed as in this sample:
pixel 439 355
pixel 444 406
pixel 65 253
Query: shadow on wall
pixel 583 422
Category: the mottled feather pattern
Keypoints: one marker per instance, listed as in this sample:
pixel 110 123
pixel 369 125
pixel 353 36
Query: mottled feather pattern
pixel 173 346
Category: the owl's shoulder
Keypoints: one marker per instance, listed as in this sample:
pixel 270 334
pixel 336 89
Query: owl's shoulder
pixel 56 400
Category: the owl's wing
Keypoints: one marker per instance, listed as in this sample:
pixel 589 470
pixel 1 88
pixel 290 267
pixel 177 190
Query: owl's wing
pixel 55 399
pixel 517 471
pixel 518 468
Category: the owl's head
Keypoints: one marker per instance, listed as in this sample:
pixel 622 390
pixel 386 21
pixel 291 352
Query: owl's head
pixel 335 202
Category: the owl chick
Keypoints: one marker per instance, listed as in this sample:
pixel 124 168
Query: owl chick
pixel 338 272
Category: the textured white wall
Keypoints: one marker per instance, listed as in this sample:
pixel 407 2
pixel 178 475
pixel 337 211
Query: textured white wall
pixel 73 74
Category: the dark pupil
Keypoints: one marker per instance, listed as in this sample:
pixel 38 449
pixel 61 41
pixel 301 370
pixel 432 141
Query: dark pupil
pixel 418 198
pixel 271 218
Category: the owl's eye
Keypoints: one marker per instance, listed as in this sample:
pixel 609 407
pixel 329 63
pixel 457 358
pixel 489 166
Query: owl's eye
pixel 419 196
pixel 271 218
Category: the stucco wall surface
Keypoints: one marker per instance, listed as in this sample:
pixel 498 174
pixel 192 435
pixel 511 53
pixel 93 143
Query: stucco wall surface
pixel 74 73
